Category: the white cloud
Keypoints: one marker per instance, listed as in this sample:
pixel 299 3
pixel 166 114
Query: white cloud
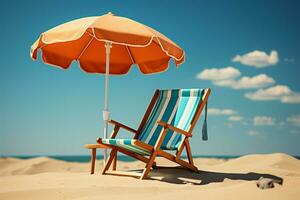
pixel 271 93
pixel 259 81
pixel 257 58
pixel 214 74
pixel 235 118
pixel 263 121
pixel 279 92
pixel 294 97
pixel 227 77
pixel 217 111
pixel 295 120
pixel 252 133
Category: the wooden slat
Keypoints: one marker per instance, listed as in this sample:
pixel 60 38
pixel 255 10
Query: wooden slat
pixel 180 149
pixel 187 165
pixel 188 151
pixel 143 145
pixel 129 153
pixel 122 126
pixel 160 139
pixel 166 155
pixel 114 168
pixel 134 155
pixel 178 130
pixel 178 161
pixel 109 161
pixel 93 159
pixel 154 153
pixel 95 146
pixel 199 110
pixel 147 113
pixel 115 132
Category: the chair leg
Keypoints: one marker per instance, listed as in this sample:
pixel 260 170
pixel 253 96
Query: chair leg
pixel 189 152
pixel 148 165
pixel 154 153
pixel 109 161
pixel 154 166
pixel 187 165
pixel 115 162
pixel 93 159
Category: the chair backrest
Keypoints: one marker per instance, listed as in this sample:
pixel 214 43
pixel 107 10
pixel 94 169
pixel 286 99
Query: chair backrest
pixel 176 107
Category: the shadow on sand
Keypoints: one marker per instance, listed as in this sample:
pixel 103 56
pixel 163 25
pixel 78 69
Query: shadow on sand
pixel 180 175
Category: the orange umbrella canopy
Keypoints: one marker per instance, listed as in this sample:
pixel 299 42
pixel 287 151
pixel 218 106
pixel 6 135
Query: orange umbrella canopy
pixel 83 40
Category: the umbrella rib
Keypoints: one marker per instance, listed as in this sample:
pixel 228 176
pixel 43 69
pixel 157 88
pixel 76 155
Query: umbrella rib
pixel 130 55
pixel 166 52
pixel 86 46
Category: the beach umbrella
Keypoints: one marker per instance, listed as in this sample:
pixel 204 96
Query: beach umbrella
pixel 107 44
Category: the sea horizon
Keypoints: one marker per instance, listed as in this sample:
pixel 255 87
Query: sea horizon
pixel 87 158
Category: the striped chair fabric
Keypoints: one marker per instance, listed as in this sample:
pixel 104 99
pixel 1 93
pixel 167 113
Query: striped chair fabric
pixel 176 107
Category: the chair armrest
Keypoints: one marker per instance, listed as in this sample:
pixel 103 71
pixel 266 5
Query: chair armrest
pixel 95 146
pixel 173 128
pixel 122 126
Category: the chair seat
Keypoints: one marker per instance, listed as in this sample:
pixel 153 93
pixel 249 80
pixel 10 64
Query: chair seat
pixel 128 144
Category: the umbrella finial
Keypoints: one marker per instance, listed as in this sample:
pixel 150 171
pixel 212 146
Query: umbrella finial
pixel 110 13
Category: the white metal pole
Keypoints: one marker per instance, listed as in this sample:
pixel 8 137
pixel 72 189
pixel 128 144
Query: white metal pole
pixel 107 45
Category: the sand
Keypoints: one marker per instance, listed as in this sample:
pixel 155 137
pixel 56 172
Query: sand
pixel 46 178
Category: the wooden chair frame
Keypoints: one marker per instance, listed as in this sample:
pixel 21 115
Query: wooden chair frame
pixel 155 150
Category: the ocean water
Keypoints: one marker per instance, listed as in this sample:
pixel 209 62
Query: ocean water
pixel 86 158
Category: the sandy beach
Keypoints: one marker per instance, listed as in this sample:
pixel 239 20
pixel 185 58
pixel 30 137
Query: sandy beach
pixel 46 178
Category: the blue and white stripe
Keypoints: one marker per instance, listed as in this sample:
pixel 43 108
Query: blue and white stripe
pixel 176 107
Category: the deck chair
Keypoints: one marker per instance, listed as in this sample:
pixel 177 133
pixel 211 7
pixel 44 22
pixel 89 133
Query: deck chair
pixel 166 126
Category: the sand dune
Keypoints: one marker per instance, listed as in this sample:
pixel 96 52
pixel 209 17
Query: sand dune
pixel 13 166
pixel 256 162
pixel 46 178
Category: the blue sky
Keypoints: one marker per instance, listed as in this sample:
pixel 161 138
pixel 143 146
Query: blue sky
pixel 48 111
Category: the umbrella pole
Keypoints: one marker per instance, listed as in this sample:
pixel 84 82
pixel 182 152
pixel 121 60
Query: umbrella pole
pixel 107 45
